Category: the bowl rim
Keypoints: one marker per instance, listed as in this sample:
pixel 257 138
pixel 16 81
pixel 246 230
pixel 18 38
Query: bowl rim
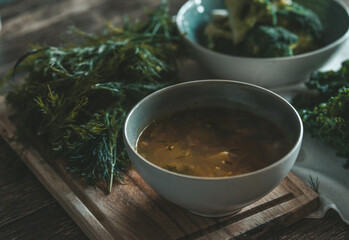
pixel 292 150
pixel 190 3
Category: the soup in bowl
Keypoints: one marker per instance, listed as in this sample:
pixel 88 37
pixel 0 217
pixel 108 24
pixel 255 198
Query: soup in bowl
pixel 213 146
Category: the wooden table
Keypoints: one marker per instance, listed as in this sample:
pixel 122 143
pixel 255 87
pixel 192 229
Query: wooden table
pixel 27 210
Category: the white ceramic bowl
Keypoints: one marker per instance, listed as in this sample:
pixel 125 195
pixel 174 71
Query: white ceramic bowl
pixel 267 72
pixel 209 196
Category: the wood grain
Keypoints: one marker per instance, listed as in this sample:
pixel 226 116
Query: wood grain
pixel 41 217
pixel 134 211
pixel 33 226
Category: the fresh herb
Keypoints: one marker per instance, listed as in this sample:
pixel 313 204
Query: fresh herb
pixel 326 84
pixel 326 114
pixel 75 97
pixel 185 169
pixel 314 183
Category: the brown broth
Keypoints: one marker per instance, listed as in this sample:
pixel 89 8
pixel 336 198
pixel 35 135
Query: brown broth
pixel 212 142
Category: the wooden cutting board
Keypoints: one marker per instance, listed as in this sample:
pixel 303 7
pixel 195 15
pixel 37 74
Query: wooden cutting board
pixel 134 211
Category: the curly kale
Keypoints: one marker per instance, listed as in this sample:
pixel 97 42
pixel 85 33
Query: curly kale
pixel 325 84
pixel 326 114
pixel 328 83
pixel 329 122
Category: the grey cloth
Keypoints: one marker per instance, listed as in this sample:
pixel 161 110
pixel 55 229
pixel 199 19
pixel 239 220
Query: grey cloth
pixel 319 161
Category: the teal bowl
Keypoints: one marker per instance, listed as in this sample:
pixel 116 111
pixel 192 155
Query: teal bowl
pixel 194 15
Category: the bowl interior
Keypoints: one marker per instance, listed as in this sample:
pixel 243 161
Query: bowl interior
pixel 196 14
pixel 213 93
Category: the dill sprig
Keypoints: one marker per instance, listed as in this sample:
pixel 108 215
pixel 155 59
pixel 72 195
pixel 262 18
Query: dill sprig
pixel 75 97
pixel 314 183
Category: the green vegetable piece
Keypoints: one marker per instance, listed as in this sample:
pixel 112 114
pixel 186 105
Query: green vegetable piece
pixel 184 169
pixel 329 82
pixel 303 22
pixel 266 41
pixel 280 3
pixel 326 84
pixel 329 120
pixel 245 14
pixel 217 30
pixel 326 114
